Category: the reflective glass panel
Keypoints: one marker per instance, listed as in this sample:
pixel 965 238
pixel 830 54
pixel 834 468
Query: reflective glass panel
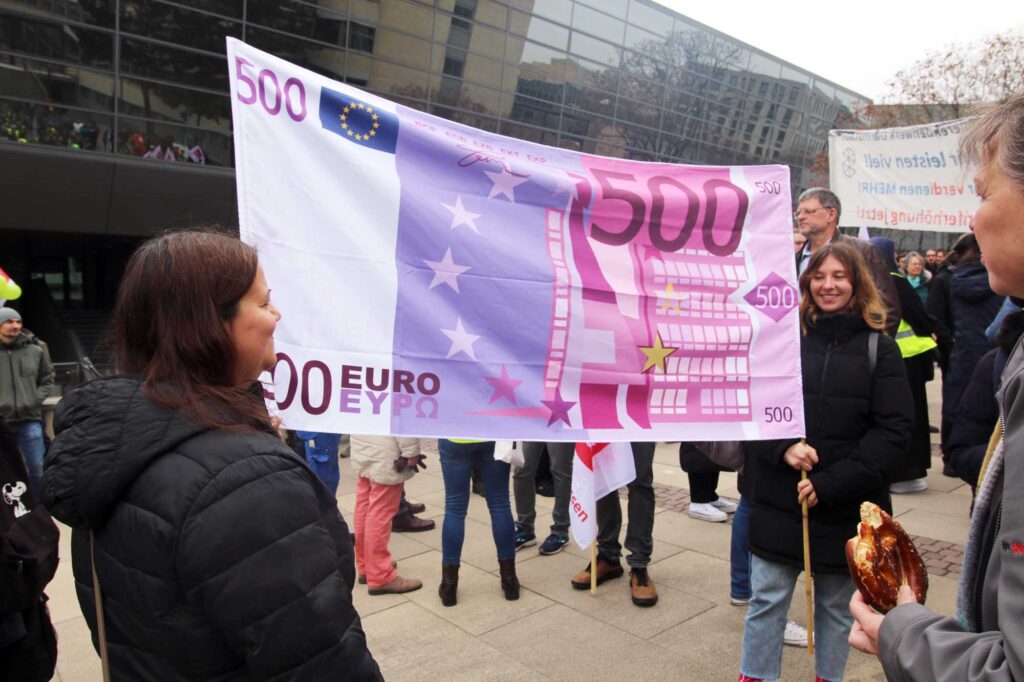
pixel 33 123
pixel 178 25
pixel 170 143
pixel 538 30
pixel 556 10
pixel 57 41
pixel 93 12
pixel 57 84
pixel 176 104
pixel 155 60
pixel 598 24
pixel 650 19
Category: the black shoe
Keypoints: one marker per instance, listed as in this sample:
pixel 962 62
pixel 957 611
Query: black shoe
pixel 546 488
pixel 407 523
pixel 948 470
pixel 415 507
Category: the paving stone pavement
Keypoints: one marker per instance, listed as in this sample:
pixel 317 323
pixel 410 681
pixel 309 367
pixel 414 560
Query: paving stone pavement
pixel 554 632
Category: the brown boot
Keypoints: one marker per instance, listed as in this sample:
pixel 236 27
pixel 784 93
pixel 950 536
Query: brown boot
pixel 407 523
pixel 449 584
pixel 509 581
pixel 641 587
pixel 399 585
pixel 606 570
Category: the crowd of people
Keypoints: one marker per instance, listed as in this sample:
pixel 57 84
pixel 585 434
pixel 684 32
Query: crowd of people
pixel 204 548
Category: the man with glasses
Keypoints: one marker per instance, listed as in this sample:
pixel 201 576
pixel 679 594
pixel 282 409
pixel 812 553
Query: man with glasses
pixel 817 217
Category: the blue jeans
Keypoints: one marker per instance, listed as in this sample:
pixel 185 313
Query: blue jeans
pixel 30 441
pixel 322 456
pixel 457 467
pixel 739 552
pixel 773 585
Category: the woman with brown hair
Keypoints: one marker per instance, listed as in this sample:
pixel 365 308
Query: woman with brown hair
pixel 858 415
pixel 202 543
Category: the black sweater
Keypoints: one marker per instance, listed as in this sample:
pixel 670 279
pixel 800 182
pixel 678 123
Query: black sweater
pixel 858 422
pixel 220 555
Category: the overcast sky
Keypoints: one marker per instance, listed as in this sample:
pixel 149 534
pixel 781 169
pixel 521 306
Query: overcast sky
pixel 859 45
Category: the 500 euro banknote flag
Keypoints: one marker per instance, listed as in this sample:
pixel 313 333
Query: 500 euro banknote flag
pixel 438 280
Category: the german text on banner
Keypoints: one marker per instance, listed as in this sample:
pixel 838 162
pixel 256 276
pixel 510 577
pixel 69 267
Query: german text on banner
pixel 597 470
pixel 906 178
pixel 438 280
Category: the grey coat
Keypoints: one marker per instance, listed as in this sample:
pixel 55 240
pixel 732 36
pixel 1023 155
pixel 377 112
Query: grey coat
pixel 987 642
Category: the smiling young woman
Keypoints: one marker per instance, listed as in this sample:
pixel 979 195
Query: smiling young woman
pixel 858 419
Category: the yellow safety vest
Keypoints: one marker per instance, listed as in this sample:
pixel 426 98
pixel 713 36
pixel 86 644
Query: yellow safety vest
pixel 910 343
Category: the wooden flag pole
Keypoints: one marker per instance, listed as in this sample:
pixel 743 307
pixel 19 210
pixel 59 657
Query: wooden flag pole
pixel 808 580
pixel 593 567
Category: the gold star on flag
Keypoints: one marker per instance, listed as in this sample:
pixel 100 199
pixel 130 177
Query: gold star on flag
pixel 349 133
pixel 670 299
pixel 656 354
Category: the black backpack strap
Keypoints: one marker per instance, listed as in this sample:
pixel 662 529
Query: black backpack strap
pixel 873 351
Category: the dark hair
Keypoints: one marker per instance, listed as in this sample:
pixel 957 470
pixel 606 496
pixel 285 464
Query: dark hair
pixel 169 326
pixel 1009 331
pixel 964 249
pixel 865 300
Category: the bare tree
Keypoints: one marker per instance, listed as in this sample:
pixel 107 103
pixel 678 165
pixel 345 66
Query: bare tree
pixel 947 82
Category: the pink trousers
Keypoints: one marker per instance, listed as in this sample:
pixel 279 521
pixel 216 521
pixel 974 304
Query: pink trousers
pixel 376 505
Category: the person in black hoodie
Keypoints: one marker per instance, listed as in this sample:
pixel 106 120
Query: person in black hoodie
pixel 218 554
pixel 858 414
pixel 974 305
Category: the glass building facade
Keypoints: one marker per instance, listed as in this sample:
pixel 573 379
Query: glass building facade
pixel 624 78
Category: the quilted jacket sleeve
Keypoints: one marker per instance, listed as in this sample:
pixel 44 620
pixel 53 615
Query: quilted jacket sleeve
pixel 266 554
pixel 883 446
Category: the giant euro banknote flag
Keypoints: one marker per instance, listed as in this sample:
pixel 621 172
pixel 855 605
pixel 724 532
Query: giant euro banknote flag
pixel 438 280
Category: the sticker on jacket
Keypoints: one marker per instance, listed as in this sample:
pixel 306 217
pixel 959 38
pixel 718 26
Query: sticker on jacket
pixel 12 492
pixel 1013 547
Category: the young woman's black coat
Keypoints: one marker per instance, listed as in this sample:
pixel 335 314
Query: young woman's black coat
pixel 858 421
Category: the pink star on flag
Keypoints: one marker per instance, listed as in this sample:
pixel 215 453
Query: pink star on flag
pixel 504 183
pixel 446 271
pixel 559 408
pixel 462 341
pixel 504 386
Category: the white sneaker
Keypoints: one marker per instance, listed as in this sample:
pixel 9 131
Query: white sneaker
pixel 722 504
pixel 705 511
pixel 795 635
pixel 913 486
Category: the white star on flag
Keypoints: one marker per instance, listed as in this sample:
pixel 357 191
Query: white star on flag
pixel 504 183
pixel 462 341
pixel 564 183
pixel 460 216
pixel 446 271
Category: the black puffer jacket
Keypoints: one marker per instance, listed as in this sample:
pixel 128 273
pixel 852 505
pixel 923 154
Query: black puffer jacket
pixel 858 422
pixel 220 555
pixel 974 307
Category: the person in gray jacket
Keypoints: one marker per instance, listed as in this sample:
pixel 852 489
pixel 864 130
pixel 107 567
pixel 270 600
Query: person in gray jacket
pixel 986 639
pixel 26 379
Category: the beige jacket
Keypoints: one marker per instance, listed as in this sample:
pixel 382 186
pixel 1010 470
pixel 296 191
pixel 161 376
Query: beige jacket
pixel 373 457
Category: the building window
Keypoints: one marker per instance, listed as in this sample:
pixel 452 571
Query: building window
pixel 361 37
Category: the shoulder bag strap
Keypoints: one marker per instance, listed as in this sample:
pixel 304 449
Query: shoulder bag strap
pixel 873 351
pixel 101 627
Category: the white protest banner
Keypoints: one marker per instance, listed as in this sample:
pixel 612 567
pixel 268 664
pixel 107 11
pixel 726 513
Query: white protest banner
pixel 903 178
pixel 437 280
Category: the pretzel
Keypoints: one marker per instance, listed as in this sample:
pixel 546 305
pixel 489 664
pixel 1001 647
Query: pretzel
pixel 882 557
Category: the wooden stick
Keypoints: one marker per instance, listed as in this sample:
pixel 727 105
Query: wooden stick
pixel 593 567
pixel 808 580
